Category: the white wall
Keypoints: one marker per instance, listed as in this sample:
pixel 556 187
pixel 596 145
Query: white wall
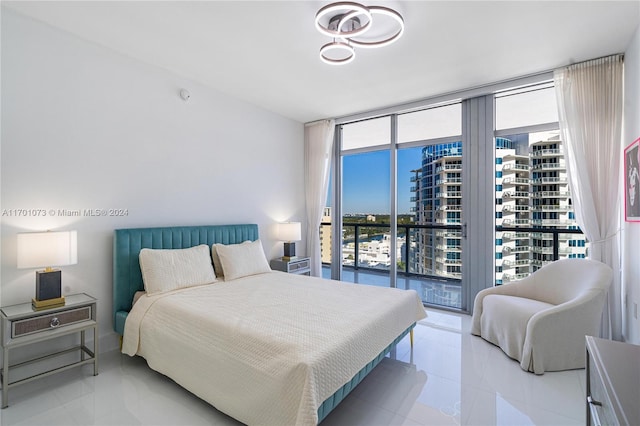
pixel 84 127
pixel 631 232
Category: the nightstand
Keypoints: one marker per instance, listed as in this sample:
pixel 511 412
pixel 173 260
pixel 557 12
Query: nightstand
pixel 22 326
pixel 298 265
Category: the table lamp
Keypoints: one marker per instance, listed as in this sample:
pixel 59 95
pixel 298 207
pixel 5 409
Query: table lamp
pixel 47 249
pixel 289 232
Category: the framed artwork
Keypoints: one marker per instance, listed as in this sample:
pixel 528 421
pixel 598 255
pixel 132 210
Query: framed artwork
pixel 632 182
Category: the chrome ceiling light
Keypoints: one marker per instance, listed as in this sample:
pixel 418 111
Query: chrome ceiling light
pixel 346 22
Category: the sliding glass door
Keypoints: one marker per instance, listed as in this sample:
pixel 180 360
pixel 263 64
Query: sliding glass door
pixel 366 204
pixel 430 209
pixel 401 203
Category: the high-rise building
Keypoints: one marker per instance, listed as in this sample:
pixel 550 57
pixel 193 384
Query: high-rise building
pixel 531 191
pixel 512 207
pixel 551 204
pixel 438 200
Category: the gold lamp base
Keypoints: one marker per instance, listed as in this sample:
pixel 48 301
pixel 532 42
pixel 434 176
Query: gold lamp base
pixel 47 304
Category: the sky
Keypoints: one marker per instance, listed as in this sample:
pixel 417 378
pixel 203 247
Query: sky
pixel 366 176
pixel 366 181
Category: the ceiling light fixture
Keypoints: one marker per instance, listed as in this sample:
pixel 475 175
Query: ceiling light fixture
pixel 346 22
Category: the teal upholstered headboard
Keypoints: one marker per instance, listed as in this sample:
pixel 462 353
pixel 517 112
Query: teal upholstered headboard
pixel 127 243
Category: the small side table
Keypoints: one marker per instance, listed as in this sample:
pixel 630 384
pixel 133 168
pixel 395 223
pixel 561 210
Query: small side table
pixel 298 265
pixel 22 325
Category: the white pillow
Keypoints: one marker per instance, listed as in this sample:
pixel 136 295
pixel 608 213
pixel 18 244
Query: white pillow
pixel 217 266
pixel 241 260
pixel 166 270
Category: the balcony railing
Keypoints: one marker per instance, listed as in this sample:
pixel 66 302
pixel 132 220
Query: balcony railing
pixel 436 233
pixel 548 166
pixel 551 208
pixel 516 208
pixel 538 181
pixel 518 167
pixel 550 194
pixel 555 233
pixel 546 153
pixel 450 194
pixel 516 194
pixel 510 236
pixel 449 181
pixel 515 181
pixel 449 167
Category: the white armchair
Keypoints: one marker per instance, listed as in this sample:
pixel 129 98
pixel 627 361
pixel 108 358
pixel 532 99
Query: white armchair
pixel 542 320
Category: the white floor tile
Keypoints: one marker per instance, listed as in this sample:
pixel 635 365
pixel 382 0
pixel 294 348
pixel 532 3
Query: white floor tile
pixel 449 377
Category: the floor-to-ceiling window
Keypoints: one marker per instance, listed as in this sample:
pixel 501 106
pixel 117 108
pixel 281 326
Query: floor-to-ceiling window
pixel 535 223
pixel 452 196
pixel 401 202
pixel 366 205
pixel 430 210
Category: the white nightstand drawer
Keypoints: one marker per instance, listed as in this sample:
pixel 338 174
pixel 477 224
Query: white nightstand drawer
pixel 50 321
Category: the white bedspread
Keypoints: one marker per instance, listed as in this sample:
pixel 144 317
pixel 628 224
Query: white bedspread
pixel 270 348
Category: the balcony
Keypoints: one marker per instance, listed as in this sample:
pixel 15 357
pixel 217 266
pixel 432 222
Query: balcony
pixel 450 194
pixel 448 234
pixel 423 261
pixel 516 222
pixel 550 194
pixel 549 250
pixel 448 168
pixel 511 181
pixel 514 277
pixel 546 153
pixel 449 181
pixel 512 236
pixel 539 263
pixel 516 208
pixel 451 208
pixel 449 247
pixel 515 167
pixel 545 236
pixel 559 209
pixel 548 166
pixel 513 250
pixel 447 261
pixel 545 180
pixel 514 263
pixel 516 194
pixel 551 222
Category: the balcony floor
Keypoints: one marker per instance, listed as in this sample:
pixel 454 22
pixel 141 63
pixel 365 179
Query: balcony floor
pixel 444 294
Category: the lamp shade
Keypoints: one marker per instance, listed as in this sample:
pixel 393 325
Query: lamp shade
pixel 289 231
pixel 46 249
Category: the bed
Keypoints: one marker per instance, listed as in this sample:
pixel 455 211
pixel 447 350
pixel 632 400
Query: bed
pixel 267 348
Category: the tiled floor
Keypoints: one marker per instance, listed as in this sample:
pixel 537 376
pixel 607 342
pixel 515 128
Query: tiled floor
pixel 449 378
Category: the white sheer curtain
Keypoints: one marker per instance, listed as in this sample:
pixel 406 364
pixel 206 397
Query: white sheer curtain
pixel 318 143
pixel 590 113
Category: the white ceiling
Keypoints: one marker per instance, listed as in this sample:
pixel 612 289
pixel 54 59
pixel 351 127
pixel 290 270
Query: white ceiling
pixel 266 52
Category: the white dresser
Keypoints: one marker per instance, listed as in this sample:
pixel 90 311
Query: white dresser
pixel 613 382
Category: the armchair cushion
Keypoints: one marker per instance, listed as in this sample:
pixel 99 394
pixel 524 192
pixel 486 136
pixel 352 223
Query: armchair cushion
pixel 542 320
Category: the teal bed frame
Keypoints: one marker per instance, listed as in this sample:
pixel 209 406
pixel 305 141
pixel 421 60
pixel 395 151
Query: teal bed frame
pixel 127 277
